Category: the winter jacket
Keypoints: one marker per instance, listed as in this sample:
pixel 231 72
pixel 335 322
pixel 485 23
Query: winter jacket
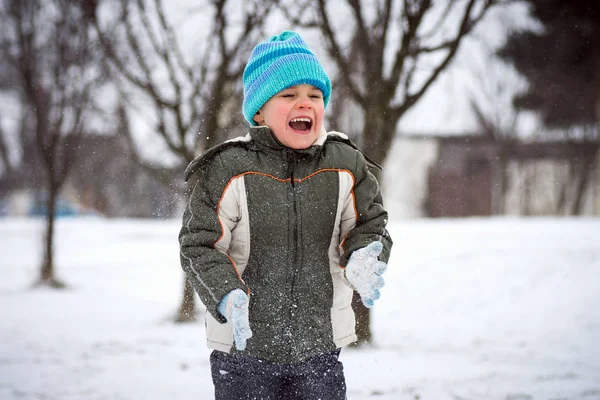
pixel 280 224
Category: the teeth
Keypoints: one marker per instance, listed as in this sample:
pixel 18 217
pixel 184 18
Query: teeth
pixel 301 120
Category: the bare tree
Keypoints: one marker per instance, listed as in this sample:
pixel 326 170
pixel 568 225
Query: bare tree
pixel 388 53
pixel 187 97
pixel 47 46
pixel 5 164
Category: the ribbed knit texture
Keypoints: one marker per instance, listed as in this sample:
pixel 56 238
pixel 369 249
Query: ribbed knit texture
pixel 276 64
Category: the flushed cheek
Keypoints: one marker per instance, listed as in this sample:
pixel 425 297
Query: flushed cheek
pixel 282 111
pixel 279 118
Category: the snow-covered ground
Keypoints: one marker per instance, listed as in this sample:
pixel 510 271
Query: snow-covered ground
pixel 503 309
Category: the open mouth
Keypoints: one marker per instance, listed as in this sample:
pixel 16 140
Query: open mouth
pixel 302 124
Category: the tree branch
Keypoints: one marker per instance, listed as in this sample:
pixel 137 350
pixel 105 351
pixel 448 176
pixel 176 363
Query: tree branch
pixel 161 174
pixel 465 26
pixel 335 52
pixel 437 25
pixel 295 17
pixel 409 36
pixel 382 24
pixel 4 158
pixel 363 38
pixel 182 126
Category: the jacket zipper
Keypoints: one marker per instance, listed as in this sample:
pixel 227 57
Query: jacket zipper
pixel 293 236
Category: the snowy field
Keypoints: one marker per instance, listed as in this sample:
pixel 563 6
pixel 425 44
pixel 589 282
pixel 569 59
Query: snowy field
pixel 502 309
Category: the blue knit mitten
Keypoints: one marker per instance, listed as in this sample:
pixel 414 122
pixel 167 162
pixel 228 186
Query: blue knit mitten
pixel 363 272
pixel 234 307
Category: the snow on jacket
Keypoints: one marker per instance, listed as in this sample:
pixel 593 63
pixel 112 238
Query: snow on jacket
pixel 280 224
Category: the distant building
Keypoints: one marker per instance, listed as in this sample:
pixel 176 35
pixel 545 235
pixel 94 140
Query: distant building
pixel 477 175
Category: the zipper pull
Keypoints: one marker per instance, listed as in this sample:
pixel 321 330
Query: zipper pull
pixel 291 162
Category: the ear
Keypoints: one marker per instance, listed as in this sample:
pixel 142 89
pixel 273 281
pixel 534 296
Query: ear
pixel 258 117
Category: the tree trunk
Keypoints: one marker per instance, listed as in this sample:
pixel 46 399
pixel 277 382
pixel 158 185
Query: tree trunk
pixel 502 189
pixel 527 181
pixel 47 275
pixel 584 169
pixel 561 208
pixel 378 135
pixel 187 309
pixel 363 321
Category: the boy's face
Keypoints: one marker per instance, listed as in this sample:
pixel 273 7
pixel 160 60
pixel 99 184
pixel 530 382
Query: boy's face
pixel 295 115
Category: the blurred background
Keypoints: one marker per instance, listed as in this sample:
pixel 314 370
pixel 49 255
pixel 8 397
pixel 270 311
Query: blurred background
pixel 481 108
pixel 475 108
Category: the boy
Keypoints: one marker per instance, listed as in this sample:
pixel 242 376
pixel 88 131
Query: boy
pixel 280 228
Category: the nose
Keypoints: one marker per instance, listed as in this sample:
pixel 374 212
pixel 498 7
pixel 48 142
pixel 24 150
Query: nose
pixel 303 103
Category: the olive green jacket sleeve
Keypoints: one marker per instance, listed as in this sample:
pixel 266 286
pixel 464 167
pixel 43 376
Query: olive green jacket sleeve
pixel 208 268
pixel 371 217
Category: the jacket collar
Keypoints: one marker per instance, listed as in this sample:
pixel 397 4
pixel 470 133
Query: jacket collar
pixel 265 137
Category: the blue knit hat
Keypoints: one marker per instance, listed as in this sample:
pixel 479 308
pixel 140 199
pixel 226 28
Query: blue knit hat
pixel 278 63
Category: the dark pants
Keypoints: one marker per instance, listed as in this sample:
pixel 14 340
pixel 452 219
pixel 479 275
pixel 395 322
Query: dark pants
pixel 238 377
